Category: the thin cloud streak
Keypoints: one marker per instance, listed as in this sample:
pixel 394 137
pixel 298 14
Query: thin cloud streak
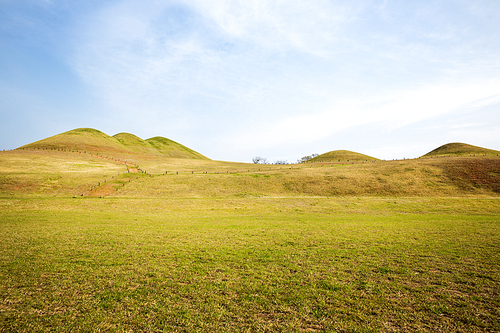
pixel 309 27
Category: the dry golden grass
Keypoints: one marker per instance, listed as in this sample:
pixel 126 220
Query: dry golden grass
pixel 461 149
pixel 419 177
pixel 50 173
pixel 342 156
pixel 69 173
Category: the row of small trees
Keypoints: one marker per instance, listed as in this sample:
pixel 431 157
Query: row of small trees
pixel 306 158
pixel 263 160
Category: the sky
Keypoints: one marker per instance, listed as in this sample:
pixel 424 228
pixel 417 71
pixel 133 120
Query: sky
pixel 243 78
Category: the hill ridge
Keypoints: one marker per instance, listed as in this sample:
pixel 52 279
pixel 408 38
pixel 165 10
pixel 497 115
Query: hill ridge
pixel 89 139
pixel 460 149
pixel 342 155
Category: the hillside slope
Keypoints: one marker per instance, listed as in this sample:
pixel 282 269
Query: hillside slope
pixel 88 139
pixel 446 177
pixel 64 173
pixel 171 148
pixel 342 156
pixel 460 149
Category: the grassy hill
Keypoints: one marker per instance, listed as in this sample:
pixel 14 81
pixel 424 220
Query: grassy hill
pixel 133 143
pixel 342 156
pixel 195 245
pixel 177 171
pixel 421 178
pixel 78 139
pixel 66 173
pixel 460 149
pixel 92 140
pixel 171 148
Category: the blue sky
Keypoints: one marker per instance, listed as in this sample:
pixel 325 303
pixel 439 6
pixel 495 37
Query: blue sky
pixel 238 79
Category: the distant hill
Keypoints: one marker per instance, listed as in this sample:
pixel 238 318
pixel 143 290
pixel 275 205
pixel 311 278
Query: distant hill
pixel 342 156
pixel 460 149
pixel 89 139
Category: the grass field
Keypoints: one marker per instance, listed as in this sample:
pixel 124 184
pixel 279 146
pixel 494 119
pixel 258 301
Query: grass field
pixel 282 264
pixel 386 246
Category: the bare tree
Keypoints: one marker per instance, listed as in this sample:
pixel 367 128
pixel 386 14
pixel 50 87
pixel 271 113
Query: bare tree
pixel 306 158
pixel 260 160
pixel 281 162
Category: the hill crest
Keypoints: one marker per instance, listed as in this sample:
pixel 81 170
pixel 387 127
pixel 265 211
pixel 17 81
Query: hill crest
pixel 342 156
pixel 89 139
pixel 460 149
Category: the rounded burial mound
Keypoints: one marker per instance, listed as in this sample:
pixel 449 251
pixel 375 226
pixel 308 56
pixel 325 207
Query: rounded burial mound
pixel 171 148
pixel 461 149
pixel 92 140
pixel 342 156
pixel 82 139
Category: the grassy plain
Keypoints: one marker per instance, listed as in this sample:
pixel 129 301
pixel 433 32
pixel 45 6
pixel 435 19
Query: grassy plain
pixel 25 173
pixel 385 246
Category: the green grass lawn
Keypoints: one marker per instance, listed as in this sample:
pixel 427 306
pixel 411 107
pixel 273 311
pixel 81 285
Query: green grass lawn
pixel 349 264
pixel 212 246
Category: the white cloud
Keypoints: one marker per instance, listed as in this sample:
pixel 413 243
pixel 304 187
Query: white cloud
pixel 298 71
pixel 310 26
pixel 148 58
pixel 132 63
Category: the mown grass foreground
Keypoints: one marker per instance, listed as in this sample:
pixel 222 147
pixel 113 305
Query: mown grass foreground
pixel 250 264
pixel 92 242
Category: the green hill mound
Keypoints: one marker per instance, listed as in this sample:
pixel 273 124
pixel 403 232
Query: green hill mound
pixel 171 148
pixel 88 139
pixel 342 156
pixel 460 149
pixel 135 144
pixel 83 139
pixel 131 140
